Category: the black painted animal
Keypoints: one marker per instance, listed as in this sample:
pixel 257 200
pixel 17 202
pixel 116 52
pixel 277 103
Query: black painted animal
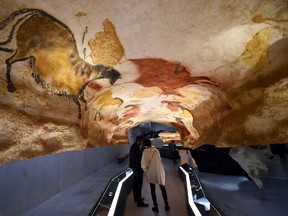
pixel 50 47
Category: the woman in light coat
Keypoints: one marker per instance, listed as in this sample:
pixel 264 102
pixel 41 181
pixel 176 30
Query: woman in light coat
pixel 154 172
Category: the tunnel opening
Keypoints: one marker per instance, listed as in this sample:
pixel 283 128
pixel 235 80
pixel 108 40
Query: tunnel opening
pixel 160 134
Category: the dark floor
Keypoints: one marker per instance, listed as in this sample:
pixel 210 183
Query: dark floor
pixel 237 196
pixel 176 195
pixel 80 198
pixel 232 195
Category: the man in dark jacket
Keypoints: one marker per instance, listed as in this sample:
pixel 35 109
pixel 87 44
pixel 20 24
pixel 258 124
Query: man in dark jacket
pixel 135 165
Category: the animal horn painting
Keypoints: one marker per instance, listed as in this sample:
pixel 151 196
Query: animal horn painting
pixel 50 47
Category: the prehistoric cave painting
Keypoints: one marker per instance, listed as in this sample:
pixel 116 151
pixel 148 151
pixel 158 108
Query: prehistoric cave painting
pixel 83 38
pixel 161 91
pixel 168 76
pixel 81 14
pixel 106 47
pixel 254 58
pixel 256 48
pixel 150 89
pixel 50 47
pixel 260 18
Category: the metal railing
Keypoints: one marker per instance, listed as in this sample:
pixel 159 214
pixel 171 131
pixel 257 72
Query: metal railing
pixel 196 201
pixel 112 199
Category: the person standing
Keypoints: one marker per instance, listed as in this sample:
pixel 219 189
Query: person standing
pixel 152 165
pixel 173 151
pixel 135 165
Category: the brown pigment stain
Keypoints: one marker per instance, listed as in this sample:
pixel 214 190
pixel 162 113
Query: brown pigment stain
pixel 260 18
pixel 135 111
pixel 168 76
pixel 81 14
pixel 95 86
pixel 173 106
pixel 183 130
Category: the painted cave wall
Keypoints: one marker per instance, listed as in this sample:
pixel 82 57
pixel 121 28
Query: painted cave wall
pixel 78 75
pixel 81 78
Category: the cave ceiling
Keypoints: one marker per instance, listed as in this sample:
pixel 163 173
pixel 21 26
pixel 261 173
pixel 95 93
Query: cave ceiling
pixel 80 74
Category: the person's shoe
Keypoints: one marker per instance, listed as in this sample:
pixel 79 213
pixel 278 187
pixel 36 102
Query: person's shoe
pixel 167 207
pixel 155 209
pixel 142 204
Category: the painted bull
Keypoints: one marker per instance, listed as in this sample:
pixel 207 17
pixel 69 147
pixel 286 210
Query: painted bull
pixel 50 48
pixel 156 90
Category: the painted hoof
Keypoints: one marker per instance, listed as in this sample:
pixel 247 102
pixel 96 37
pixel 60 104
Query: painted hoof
pixel 11 88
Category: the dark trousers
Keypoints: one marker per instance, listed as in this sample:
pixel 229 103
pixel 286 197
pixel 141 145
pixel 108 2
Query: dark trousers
pixel 174 156
pixel 137 185
pixel 153 194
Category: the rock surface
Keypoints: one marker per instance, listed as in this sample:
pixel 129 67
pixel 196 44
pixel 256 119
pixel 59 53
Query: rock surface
pixel 217 71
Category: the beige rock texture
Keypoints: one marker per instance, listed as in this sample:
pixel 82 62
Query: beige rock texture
pixel 217 70
pixel 254 160
pixel 23 136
